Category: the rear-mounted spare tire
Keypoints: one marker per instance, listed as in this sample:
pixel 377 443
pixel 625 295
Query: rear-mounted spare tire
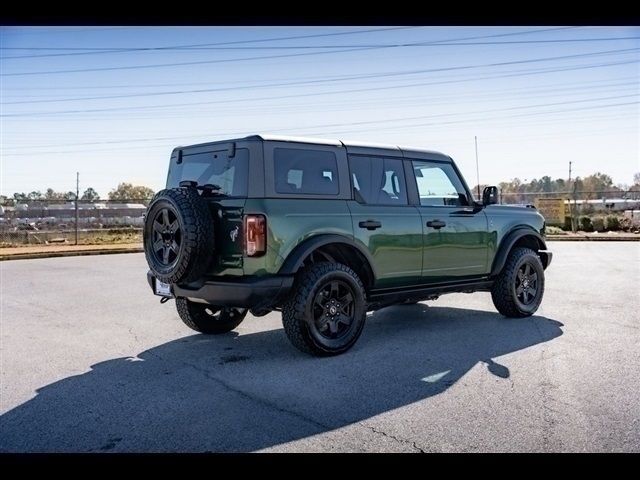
pixel 178 235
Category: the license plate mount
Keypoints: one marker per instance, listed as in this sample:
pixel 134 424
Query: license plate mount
pixel 162 289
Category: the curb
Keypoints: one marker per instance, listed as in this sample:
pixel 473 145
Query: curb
pixel 603 238
pixel 112 251
pixel 72 253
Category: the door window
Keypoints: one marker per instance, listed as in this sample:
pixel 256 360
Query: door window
pixel 378 180
pixel 439 185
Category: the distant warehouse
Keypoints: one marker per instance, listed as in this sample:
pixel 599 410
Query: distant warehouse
pixel 607 204
pixel 103 212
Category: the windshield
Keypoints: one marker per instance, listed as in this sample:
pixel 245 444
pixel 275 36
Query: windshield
pixel 216 168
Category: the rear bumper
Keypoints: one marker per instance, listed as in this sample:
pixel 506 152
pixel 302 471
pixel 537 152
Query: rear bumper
pixel 546 256
pixel 246 292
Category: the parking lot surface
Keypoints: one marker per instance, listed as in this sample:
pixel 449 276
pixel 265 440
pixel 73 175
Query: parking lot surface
pixel 92 362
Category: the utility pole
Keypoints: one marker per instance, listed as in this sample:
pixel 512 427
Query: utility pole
pixel 573 225
pixel 477 169
pixel 77 199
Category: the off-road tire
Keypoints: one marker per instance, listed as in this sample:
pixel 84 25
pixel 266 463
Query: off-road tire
pixel 197 235
pixel 503 291
pixel 297 316
pixel 208 319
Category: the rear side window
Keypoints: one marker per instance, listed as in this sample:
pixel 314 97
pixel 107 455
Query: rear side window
pixel 378 180
pixel 306 172
pixel 229 173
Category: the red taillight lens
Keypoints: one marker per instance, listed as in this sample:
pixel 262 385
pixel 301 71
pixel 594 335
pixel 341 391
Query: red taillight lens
pixel 255 235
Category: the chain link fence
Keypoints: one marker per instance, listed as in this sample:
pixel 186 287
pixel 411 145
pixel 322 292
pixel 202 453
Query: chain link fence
pixel 43 222
pixel 611 199
pixel 614 210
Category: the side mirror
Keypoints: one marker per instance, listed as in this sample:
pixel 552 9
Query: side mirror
pixel 489 196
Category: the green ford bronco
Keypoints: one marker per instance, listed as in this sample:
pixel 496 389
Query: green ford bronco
pixel 325 231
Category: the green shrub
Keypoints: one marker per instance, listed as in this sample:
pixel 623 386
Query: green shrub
pixel 612 223
pixel 585 224
pixel 597 223
pixel 626 225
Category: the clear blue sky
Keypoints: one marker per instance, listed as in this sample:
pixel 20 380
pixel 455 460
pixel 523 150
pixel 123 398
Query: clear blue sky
pixel 531 113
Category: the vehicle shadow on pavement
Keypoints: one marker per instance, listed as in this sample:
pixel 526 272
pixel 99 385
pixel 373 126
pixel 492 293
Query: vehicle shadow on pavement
pixel 251 391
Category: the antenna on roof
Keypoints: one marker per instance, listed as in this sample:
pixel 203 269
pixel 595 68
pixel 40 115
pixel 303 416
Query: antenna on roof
pixel 477 169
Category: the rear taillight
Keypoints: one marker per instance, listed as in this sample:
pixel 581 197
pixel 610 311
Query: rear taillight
pixel 255 235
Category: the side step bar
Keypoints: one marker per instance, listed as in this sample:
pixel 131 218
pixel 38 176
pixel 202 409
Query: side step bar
pixel 382 297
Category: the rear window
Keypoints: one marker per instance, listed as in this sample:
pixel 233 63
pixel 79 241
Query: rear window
pixel 230 174
pixel 306 172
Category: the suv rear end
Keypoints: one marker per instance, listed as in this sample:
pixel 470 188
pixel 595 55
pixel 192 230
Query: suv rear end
pixel 222 176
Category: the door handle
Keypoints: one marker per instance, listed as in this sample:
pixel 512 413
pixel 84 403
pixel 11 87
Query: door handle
pixel 370 224
pixel 437 224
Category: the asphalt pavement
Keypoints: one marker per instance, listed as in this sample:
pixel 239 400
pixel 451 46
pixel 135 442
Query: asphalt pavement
pixel 90 361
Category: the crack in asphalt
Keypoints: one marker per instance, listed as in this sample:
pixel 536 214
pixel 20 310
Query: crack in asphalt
pixel 132 333
pixel 393 437
pixel 321 426
pixel 548 422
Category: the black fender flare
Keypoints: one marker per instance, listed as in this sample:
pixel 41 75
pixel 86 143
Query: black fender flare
pixel 509 241
pixel 301 251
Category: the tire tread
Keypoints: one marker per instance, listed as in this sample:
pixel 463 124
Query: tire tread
pixel 198 236
pixel 501 294
pixel 293 311
pixel 200 321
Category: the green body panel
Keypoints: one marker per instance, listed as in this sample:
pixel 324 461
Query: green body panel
pixel 460 248
pixel 502 219
pixel 227 216
pixel 396 247
pixel 404 250
pixel 291 222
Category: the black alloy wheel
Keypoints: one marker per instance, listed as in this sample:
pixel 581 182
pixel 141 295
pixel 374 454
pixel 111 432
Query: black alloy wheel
pixel 517 291
pixel 326 309
pixel 526 284
pixel 333 309
pixel 167 237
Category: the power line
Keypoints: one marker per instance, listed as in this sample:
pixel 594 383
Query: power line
pixel 234 42
pixel 222 89
pixel 181 84
pixel 531 93
pixel 27 136
pixel 194 46
pixel 100 50
pixel 182 64
pixel 386 121
pixel 315 47
pixel 206 62
pixel 342 103
pixel 146 107
pixel 473 120
pixel 148 139
pixel 246 132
